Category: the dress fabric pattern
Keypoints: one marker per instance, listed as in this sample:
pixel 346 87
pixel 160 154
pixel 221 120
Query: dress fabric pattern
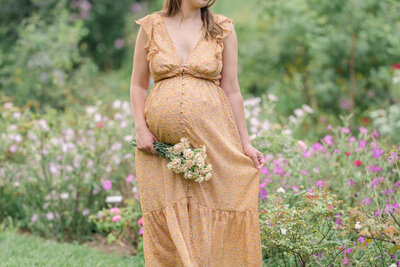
pixel 214 223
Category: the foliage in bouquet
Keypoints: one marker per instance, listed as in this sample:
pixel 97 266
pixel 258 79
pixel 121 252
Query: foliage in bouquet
pixel 182 158
pixel 121 225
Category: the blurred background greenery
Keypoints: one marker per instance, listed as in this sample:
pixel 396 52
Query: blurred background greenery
pixel 338 56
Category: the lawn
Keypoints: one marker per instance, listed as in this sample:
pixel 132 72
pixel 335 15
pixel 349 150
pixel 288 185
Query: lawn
pixel 27 250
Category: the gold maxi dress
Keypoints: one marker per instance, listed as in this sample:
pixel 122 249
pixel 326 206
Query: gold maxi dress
pixel 185 223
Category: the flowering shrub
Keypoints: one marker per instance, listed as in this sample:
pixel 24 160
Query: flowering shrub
pixel 121 224
pixel 56 169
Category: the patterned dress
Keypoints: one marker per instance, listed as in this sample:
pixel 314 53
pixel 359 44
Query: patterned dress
pixel 185 223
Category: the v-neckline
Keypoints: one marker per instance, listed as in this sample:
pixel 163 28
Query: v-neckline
pixel 174 47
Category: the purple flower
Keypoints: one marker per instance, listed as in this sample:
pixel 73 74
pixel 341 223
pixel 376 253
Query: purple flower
pixel 390 208
pixel 377 213
pixel 345 261
pixel 264 170
pixel 119 43
pixel 387 192
pixel 263 193
pixel 348 251
pixel 141 231
pixel 366 201
pixel 350 182
pixel 393 156
pixel 376 152
pixel 336 150
pixel 362 144
pixel 107 184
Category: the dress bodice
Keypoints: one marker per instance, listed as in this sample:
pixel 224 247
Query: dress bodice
pixel 204 61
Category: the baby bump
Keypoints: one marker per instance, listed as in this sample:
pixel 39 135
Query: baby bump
pixel 183 104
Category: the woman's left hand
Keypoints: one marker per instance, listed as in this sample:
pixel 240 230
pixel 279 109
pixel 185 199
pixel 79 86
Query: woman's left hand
pixel 255 155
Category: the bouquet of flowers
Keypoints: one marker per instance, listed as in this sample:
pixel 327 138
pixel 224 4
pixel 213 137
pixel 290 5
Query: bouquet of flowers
pixel 182 158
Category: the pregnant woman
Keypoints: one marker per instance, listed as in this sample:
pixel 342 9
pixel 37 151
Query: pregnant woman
pixel 191 54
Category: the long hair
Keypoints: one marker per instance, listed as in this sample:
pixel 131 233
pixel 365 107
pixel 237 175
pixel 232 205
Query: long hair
pixel 210 26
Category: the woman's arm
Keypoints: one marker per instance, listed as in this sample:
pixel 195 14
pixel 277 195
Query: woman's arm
pixel 230 84
pixel 140 80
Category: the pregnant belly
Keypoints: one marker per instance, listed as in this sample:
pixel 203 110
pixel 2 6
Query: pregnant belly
pixel 178 106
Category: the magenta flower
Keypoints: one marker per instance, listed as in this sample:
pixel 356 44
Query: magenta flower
pixel 362 144
pixel 375 134
pixel 116 218
pixel 376 152
pixel 387 192
pixel 348 251
pixel 304 172
pixel 107 184
pixel 393 156
pixel 263 193
pixel 328 140
pixel 140 221
pixel 352 139
pixel 345 261
pixel 336 150
pixel 350 182
pixel 366 201
pixel 130 178
pixel 391 208
pixel 320 183
pixel 305 153
pixel 264 170
pixel 141 231
pixel 329 127
pixel 377 213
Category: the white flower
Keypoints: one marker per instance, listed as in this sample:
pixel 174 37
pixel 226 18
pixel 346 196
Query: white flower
pixel 283 231
pixel 299 112
pixel 280 190
pixel 358 225
pixel 307 108
pixel 272 97
pixel 208 176
pixel 117 104
pixel 64 195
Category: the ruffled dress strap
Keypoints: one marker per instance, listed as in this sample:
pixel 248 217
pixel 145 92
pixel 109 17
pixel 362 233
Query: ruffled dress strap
pixel 148 22
pixel 222 21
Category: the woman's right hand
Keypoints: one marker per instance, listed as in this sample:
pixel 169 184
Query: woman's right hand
pixel 145 139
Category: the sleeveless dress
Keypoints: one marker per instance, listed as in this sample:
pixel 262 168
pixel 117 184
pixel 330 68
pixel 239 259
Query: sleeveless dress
pixel 185 223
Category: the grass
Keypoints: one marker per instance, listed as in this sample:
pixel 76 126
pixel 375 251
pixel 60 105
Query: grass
pixel 26 250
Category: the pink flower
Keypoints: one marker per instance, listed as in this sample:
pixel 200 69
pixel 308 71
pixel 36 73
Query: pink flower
pixel 345 261
pixel 320 183
pixel 301 144
pixel 107 184
pixel 141 231
pixel 363 130
pixel 357 162
pixel 345 130
pixel 264 170
pixel 362 143
pixel 116 218
pixel 350 182
pixel 396 66
pixel 329 127
pixel 375 134
pixel 328 140
pixel 140 221
pixel 305 154
pixel 100 125
pixel 115 210
pixel 130 178
pixel 352 139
